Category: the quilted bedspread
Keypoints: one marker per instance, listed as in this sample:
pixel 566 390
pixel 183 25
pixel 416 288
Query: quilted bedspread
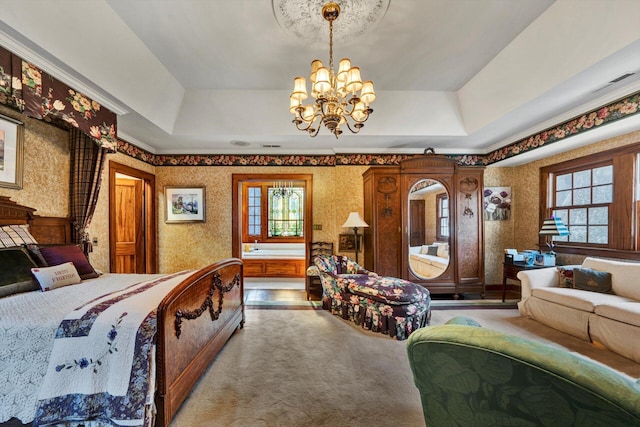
pixel 108 372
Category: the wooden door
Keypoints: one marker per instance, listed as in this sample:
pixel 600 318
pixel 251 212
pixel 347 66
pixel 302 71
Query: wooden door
pixel 129 233
pixel 416 223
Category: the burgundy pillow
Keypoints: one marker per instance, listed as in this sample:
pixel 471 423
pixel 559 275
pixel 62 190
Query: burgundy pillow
pixel 56 255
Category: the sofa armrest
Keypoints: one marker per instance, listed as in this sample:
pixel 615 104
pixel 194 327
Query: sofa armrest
pixel 539 278
pixel 518 381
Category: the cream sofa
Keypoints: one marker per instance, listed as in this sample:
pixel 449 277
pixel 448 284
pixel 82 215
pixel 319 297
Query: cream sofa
pixel 429 265
pixel 611 319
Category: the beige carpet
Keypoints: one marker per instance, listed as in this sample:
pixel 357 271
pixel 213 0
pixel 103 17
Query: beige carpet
pixel 310 368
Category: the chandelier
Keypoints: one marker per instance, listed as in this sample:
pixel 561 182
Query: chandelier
pixel 341 98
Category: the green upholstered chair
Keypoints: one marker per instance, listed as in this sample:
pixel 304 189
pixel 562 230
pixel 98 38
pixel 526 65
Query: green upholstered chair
pixel 472 376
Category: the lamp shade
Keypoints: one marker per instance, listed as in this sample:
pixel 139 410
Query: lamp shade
pixel 355 220
pixel 553 227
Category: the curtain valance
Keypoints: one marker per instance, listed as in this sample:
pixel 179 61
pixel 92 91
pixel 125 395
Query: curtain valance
pixel 39 95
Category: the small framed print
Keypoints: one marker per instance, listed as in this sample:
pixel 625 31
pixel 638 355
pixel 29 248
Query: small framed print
pixel 11 152
pixel 347 242
pixel 184 204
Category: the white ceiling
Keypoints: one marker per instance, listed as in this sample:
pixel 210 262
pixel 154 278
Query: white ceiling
pixel 462 76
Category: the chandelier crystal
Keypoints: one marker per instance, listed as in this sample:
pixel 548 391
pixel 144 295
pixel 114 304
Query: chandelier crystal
pixel 340 98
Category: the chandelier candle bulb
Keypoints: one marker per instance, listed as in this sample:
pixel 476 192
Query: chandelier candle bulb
pixel 343 68
pixel 299 89
pixel 330 90
pixel 354 84
pixel 294 105
pixel 315 64
pixel 368 95
pixel 322 83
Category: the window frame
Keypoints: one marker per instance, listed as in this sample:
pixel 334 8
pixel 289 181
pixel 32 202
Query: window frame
pixel 439 217
pixel 623 238
pixel 265 184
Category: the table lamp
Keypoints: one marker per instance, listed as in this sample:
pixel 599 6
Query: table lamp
pixel 553 227
pixel 355 221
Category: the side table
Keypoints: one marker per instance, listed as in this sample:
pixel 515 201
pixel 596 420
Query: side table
pixel 510 271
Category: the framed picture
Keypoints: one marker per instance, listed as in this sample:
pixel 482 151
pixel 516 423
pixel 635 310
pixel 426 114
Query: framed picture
pixel 184 204
pixel 347 242
pixel 497 203
pixel 11 152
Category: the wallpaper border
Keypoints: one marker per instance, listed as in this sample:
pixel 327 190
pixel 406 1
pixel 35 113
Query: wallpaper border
pixel 620 109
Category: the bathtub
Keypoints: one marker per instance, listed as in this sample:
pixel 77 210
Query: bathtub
pixel 274 251
pixel 274 260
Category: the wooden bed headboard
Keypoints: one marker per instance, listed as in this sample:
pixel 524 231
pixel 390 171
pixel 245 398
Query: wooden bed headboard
pixel 45 229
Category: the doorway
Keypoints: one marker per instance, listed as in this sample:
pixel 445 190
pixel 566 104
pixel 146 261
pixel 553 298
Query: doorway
pixel 132 220
pixel 264 232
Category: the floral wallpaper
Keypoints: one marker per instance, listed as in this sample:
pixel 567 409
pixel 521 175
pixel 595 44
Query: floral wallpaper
pixel 45 184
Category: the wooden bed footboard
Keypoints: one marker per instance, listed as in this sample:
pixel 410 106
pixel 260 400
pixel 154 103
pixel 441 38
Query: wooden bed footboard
pixel 195 320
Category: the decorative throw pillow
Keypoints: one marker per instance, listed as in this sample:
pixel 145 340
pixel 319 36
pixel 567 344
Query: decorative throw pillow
pixel 34 251
pixel 432 250
pixel 57 276
pixel 15 235
pixel 565 277
pixel 55 255
pixel 443 251
pixel 592 280
pixel 15 271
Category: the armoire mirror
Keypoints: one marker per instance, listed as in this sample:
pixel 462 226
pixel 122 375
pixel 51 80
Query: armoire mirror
pixel 429 228
pixel 434 206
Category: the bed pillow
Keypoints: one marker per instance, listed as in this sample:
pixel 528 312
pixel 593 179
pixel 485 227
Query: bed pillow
pixel 15 235
pixel 55 255
pixel 50 278
pixel 15 271
pixel 592 280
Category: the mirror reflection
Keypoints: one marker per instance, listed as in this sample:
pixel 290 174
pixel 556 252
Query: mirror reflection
pixel 428 229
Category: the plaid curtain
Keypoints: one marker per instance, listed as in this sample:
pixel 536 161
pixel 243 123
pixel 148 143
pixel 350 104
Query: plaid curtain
pixel 87 162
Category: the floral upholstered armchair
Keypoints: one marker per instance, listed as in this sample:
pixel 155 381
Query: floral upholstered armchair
pixel 388 305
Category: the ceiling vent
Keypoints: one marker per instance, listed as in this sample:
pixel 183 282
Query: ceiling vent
pixel 622 77
pixel 614 81
pixel 240 143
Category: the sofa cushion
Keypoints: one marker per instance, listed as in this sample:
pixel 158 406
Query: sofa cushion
pixel 625 312
pixel 624 275
pixel 565 276
pixel 592 280
pixel 577 298
pixel 443 250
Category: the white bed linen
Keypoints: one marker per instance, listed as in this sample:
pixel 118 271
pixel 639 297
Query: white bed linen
pixel 28 323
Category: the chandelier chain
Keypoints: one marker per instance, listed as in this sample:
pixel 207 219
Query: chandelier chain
pixel 340 98
pixel 331 45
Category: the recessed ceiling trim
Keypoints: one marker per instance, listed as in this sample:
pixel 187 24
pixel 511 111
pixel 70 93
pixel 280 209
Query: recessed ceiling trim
pixel 12 44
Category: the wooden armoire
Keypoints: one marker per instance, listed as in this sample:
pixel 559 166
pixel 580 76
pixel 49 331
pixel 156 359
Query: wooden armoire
pixel 387 210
